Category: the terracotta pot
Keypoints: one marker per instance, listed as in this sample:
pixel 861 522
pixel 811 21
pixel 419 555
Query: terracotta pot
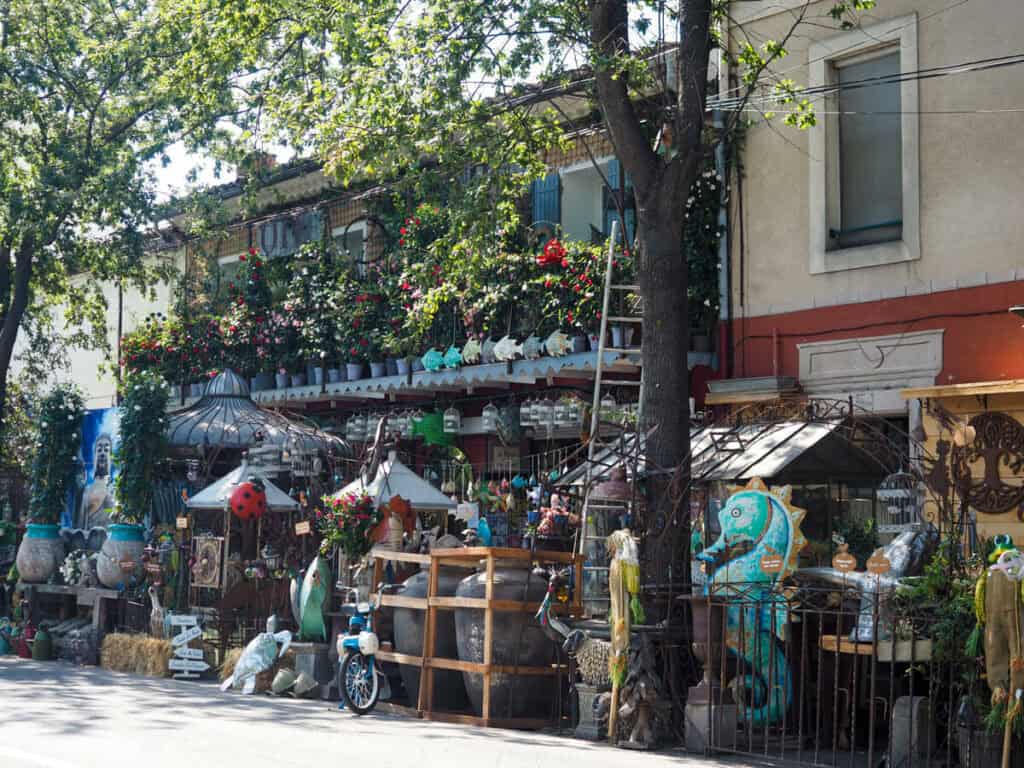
pixel 40 554
pixel 124 544
pixel 517 639
pixel 449 690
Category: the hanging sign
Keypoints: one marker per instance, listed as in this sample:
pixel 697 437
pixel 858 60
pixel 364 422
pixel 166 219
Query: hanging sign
pixel 184 652
pixel 772 563
pixel 303 528
pixel 182 523
pixel 186 665
pixel 183 620
pixel 844 561
pixel 878 563
pixel 184 637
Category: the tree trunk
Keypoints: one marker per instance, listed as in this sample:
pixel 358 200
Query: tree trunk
pixel 13 315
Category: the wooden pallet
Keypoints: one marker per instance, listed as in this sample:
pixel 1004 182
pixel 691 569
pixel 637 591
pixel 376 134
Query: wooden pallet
pixel 468 558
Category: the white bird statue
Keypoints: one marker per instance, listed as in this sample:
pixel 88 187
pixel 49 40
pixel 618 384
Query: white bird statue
pixel 157 615
pixel 259 655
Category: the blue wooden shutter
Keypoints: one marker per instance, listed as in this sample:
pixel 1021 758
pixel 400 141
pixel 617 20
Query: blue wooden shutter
pixel 547 200
pixel 611 212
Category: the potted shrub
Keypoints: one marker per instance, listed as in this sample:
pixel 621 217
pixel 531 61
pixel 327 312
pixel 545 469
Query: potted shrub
pixel 60 423
pixel 143 446
pixel 354 365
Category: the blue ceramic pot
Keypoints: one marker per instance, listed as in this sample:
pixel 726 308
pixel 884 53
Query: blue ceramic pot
pixel 119 556
pixel 40 554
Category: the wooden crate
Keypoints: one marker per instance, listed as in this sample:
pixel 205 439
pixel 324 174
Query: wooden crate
pixel 467 557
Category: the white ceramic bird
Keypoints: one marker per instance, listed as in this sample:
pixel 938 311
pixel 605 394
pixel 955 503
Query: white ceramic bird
pixel 507 349
pixel 157 615
pixel 558 344
pixel 259 655
pixel 471 352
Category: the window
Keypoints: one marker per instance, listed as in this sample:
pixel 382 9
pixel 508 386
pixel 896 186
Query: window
pixel 351 242
pixel 870 162
pixel 864 197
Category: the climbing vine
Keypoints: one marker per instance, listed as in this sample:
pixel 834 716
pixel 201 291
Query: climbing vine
pixel 60 424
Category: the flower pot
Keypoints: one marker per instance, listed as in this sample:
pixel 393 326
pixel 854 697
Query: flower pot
pixel 618 336
pixel 298 380
pixel 310 372
pixel 196 388
pixel 281 380
pixel 334 376
pixel 354 371
pixel 377 370
pixel 120 555
pixel 392 366
pixel 262 381
pixel 417 365
pixel 318 375
pixel 40 554
pixel 595 341
pixel 580 343
pixel 402 366
pixel 700 343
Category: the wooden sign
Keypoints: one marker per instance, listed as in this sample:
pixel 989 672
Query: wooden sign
pixel 182 523
pixel 844 562
pixel 772 563
pixel 184 637
pixel 184 652
pixel 303 528
pixel 127 566
pixel 187 665
pixel 878 564
pixel 183 620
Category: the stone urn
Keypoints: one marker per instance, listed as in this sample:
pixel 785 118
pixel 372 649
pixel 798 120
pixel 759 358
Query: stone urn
pixel 449 691
pixel 517 639
pixel 40 554
pixel 123 546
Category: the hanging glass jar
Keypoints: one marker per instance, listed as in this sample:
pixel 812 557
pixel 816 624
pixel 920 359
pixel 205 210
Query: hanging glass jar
pixel 490 418
pixel 452 421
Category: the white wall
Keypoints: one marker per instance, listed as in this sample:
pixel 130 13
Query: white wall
pixel 582 200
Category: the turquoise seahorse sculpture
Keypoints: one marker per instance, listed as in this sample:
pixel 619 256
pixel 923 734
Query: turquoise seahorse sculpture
pixel 756 522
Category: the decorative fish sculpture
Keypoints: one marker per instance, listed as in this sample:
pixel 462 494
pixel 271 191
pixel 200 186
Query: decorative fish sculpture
pixel 487 351
pixel 433 360
pixel 532 348
pixel 507 349
pixel 518 482
pixel 308 600
pixel 471 352
pixel 452 358
pixel 558 344
pixel 259 655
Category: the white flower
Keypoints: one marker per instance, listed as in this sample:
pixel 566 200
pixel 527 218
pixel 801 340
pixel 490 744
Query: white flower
pixel 689 201
pixel 137 408
pixel 707 302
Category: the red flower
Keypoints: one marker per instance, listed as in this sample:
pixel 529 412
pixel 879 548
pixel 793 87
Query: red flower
pixel 403 230
pixel 405 286
pixel 569 316
pixel 252 251
pixel 437 269
pixel 547 282
pixel 241 301
pixel 364 342
pixel 242 257
pixel 233 329
pixel 401 241
pixel 353 351
pixel 565 263
pixel 355 322
pixel 417 221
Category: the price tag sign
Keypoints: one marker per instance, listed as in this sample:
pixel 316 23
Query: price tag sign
pixel 772 563
pixel 878 564
pixel 303 528
pixel 127 566
pixel 844 562
pixel 182 523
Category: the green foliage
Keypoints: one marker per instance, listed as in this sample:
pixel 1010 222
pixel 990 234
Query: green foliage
pixel 702 235
pixel 859 534
pixel 20 426
pixel 60 434
pixel 143 446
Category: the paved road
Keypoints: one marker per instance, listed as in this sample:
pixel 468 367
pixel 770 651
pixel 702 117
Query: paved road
pixel 53 715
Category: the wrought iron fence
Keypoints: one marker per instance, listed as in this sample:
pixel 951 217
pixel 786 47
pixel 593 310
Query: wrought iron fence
pixel 836 676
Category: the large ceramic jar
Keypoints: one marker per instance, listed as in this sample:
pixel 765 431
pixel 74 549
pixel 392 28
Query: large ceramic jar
pixel 124 544
pixel 517 639
pixel 40 554
pixel 449 692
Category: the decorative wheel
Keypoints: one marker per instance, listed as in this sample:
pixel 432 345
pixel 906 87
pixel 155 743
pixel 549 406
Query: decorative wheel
pixel 359 684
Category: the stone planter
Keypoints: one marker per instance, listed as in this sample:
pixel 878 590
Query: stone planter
pixel 586 698
pixel 377 370
pixel 335 376
pixel 354 371
pixel 281 380
pixel 40 554
pixel 298 380
pixel 124 545
pixel 402 366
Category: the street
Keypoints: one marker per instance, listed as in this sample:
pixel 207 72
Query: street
pixel 59 716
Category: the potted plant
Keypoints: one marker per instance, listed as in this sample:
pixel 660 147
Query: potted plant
pixel 60 421
pixel 356 359
pixel 346 524
pixel 143 445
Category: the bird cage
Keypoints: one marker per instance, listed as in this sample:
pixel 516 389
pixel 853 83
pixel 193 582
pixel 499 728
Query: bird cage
pixel 355 428
pixel 526 418
pixel 543 413
pixel 490 417
pixel 899 508
pixel 452 421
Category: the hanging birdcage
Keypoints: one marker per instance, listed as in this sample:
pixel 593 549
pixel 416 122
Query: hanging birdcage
pixel 355 428
pixel 574 411
pixel 543 414
pixel 526 413
pixel 402 422
pixel 452 421
pixel 899 497
pixel 560 414
pixel 490 417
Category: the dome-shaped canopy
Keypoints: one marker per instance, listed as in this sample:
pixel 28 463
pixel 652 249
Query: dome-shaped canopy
pixel 226 417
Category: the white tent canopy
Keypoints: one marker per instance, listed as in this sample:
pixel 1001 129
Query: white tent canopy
pixel 395 479
pixel 215 496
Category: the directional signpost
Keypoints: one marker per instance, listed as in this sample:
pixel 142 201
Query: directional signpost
pixel 188 662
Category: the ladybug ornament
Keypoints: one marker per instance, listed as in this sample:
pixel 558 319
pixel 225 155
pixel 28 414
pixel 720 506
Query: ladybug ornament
pixel 249 500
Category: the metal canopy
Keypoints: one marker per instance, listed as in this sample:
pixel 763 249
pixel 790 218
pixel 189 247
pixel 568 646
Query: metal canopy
pixel 395 479
pixel 216 495
pixel 226 417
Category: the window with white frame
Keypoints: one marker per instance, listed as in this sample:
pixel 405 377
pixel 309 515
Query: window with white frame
pixel 864 184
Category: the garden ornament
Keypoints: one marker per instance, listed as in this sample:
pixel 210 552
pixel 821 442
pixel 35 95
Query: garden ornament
pixel 249 499
pixel 471 352
pixel 558 344
pixel 623 588
pixel 433 360
pixel 308 600
pixel 487 351
pixel 156 615
pixel 532 348
pixel 507 349
pixel 756 523
pixel 452 358
pixel 906 553
pixel 259 655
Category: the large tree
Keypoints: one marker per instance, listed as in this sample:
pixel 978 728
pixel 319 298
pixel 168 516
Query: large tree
pixel 414 91
pixel 84 108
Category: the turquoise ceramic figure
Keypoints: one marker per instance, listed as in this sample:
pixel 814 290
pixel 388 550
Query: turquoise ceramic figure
pixel 757 548
pixel 308 600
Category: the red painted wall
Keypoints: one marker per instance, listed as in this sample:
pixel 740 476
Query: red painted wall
pixel 983 341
